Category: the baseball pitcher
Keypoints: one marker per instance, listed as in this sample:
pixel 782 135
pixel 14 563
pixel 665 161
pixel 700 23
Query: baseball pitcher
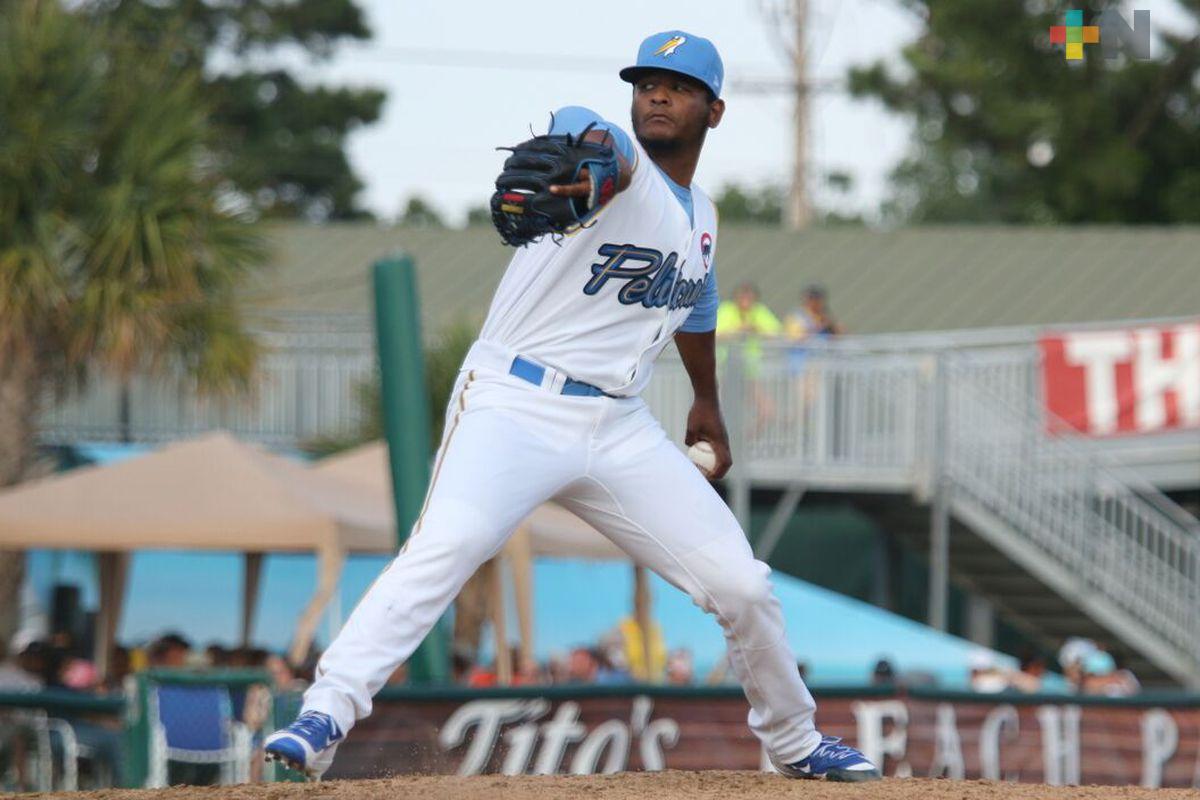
pixel 615 257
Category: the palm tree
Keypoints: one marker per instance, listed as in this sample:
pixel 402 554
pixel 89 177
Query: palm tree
pixel 119 249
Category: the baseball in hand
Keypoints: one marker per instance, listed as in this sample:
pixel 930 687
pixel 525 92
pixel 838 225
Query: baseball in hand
pixel 703 456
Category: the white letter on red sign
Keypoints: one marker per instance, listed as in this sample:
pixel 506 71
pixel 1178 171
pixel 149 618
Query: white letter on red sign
pixel 1153 375
pixel 1060 744
pixel 947 746
pixel 1098 353
pixel 487 717
pixel 876 746
pixel 559 732
pixel 1160 737
pixel 999 719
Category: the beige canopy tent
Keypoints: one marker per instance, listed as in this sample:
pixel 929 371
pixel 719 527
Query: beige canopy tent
pixel 209 493
pixel 549 532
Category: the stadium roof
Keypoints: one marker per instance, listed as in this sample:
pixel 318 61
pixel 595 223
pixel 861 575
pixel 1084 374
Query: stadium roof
pixel 913 279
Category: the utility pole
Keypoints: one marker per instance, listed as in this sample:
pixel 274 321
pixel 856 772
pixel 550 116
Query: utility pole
pixel 799 207
pixel 787 21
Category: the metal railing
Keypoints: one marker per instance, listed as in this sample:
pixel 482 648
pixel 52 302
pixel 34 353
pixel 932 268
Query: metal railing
pixel 1124 546
pixel 820 409
pixel 308 386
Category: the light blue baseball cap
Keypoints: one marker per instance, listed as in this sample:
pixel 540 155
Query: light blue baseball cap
pixel 682 52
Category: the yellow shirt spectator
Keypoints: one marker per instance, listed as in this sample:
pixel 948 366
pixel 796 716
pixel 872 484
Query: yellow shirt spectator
pixel 749 320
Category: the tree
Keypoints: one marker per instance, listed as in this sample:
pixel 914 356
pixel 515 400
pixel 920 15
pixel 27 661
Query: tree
pixel 420 213
pixel 282 144
pixel 443 360
pixel 117 252
pixel 763 204
pixel 1007 130
pixel 738 203
pixel 479 215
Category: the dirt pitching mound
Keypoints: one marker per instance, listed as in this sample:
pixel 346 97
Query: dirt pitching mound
pixel 628 786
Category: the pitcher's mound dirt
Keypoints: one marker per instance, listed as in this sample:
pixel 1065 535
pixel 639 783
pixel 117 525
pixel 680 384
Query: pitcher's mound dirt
pixel 630 786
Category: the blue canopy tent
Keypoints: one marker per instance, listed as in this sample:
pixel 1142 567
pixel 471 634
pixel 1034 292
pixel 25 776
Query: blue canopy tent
pixel 838 637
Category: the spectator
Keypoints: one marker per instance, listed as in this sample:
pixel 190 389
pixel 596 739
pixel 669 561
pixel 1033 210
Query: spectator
pixel 41 661
pixel 987 677
pixel 525 670
pixel 482 677
pixel 679 667
pixel 1101 676
pixel 746 319
pixel 102 737
pixel 119 668
pixel 238 658
pixel 78 674
pixel 884 674
pixel 1031 675
pixel 216 656
pixel 643 666
pixel 1090 669
pixel 746 316
pixel 139 658
pixel 612 644
pixel 170 650
pixel 460 666
pixel 13 675
pixel 559 668
pixel 607 673
pixel 805 325
pixel 283 678
pixel 582 666
pixel 1071 656
pixel 811 320
pixel 256 658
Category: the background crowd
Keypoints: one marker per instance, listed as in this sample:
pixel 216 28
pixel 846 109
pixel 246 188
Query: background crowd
pixel 747 316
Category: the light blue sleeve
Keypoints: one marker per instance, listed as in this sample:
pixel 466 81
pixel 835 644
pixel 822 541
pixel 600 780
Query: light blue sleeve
pixel 704 314
pixel 573 119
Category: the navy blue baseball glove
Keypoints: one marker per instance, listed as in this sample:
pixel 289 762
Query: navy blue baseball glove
pixel 523 207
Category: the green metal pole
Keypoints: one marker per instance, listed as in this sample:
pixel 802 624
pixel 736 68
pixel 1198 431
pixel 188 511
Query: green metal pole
pixel 406 424
pixel 137 734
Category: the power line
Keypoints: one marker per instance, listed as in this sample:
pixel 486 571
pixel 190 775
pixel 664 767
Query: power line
pixel 548 62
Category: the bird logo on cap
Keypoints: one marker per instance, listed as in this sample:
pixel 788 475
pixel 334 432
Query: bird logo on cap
pixel 670 46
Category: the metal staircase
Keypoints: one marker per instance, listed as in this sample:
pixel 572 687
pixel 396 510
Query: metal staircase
pixel 1114 549
pixel 1016 596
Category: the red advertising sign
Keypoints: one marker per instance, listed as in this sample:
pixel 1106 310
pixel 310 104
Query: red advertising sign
pixel 1130 380
pixel 1062 740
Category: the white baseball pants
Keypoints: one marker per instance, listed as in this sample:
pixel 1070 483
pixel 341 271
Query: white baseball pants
pixel 509 446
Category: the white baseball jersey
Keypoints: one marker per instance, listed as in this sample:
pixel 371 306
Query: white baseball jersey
pixel 597 307
pixel 601 304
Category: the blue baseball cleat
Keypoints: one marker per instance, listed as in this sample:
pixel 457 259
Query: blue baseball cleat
pixel 307 745
pixel 833 761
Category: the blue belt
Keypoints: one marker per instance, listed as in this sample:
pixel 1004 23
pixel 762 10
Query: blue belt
pixel 526 370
